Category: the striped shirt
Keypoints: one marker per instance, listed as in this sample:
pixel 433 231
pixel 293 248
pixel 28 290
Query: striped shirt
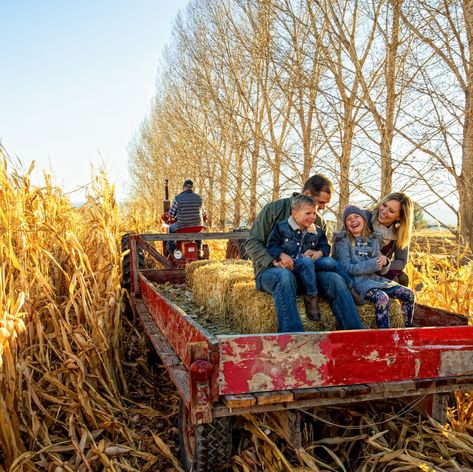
pixel 186 209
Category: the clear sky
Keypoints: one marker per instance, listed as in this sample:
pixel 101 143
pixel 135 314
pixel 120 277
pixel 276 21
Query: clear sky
pixel 77 78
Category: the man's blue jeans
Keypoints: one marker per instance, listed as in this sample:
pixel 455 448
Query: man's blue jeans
pixel 171 245
pixel 332 265
pixel 282 284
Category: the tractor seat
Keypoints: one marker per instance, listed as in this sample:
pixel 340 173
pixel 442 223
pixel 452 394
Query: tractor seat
pixel 191 229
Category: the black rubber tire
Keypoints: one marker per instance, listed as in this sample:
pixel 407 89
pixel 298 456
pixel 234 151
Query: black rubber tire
pixel 236 247
pixel 125 282
pixel 204 447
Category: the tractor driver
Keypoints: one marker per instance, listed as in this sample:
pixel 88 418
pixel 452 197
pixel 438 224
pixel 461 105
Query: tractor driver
pixel 186 210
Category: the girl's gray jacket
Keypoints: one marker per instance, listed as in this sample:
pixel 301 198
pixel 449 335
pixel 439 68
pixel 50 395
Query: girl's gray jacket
pixel 360 260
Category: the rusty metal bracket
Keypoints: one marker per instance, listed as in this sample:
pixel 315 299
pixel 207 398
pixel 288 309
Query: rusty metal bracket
pixel 200 376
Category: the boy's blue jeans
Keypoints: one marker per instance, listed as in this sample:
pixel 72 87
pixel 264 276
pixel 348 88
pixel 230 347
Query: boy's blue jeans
pixel 282 284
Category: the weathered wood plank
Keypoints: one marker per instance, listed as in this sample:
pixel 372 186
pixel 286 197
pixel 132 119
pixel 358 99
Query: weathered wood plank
pixel 178 328
pixel 405 395
pixel 439 407
pixel 306 393
pixel 392 388
pixel 356 390
pixel 171 362
pixel 239 401
pixel 425 315
pixel 161 276
pixel 270 398
pixel 194 236
pixel 146 246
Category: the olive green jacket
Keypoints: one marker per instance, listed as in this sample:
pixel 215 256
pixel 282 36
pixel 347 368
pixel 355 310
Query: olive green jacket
pixel 270 214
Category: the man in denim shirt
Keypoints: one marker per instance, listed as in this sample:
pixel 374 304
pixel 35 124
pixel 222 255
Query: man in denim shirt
pixel 282 284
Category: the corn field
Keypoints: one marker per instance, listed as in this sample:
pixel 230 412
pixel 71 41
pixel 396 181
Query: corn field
pixel 66 403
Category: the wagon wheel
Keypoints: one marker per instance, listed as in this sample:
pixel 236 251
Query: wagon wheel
pixel 236 249
pixel 125 282
pixel 204 447
pixel 232 251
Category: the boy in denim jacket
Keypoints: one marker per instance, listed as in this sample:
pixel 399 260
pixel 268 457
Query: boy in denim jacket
pixel 308 248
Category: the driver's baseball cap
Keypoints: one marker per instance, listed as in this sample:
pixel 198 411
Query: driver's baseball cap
pixel 188 183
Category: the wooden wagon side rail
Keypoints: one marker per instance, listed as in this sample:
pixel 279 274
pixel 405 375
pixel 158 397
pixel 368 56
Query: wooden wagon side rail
pixel 341 395
pixel 425 315
pixel 189 352
pixel 178 327
pixel 176 369
pixel 195 236
pixel 264 363
pixel 151 250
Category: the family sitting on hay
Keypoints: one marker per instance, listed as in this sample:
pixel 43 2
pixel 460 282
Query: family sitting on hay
pixel 290 253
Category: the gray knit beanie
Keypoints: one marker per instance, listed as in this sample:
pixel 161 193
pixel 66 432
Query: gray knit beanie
pixel 350 209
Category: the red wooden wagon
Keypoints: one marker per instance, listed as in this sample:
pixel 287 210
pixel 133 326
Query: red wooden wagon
pixel 219 376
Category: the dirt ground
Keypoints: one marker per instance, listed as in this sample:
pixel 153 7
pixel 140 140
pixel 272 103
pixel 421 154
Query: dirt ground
pixel 149 385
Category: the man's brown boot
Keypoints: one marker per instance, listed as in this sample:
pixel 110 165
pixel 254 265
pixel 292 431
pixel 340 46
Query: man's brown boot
pixel 312 307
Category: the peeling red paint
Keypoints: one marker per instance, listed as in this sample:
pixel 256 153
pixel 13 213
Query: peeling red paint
pixel 257 363
pixel 272 362
pixel 179 328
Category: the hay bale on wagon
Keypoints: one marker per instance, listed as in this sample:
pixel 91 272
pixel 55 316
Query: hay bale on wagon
pixel 227 290
pixel 211 281
pixel 253 311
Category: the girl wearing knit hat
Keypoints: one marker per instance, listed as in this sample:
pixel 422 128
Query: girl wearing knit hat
pixel 358 250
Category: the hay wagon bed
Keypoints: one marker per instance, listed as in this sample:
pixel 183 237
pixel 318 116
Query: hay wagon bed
pixel 219 376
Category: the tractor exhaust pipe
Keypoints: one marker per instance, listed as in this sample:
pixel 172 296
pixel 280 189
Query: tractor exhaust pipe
pixel 166 202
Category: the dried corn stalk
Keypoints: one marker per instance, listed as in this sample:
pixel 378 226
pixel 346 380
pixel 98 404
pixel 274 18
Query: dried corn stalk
pixel 61 384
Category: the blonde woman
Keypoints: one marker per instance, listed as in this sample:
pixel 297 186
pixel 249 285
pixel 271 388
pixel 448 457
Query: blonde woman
pixel 392 219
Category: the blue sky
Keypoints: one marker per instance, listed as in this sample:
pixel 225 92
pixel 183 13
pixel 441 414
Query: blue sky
pixel 77 80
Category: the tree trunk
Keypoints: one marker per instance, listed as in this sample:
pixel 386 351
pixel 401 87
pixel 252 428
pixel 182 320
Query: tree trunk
pixel 276 175
pixel 238 187
pixel 386 165
pixel 345 159
pixel 465 189
pixel 254 181
pixel 387 131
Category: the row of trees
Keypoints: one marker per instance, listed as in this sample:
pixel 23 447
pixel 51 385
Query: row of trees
pixel 254 96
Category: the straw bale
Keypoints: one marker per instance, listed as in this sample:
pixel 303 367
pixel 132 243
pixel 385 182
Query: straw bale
pixel 253 311
pixel 227 290
pixel 211 280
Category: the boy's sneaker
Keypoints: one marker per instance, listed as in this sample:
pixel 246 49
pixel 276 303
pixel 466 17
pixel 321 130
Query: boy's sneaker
pixel 356 298
pixel 311 304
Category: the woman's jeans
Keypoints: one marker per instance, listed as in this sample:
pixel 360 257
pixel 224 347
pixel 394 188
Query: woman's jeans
pixel 282 284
